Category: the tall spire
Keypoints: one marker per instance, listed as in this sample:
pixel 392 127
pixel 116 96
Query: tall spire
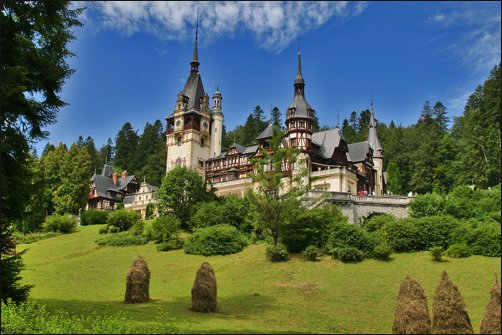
pixel 195 61
pixel 299 82
pixel 372 134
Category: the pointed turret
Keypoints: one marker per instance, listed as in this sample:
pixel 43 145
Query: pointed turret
pixel 372 135
pixel 195 59
pixel 301 106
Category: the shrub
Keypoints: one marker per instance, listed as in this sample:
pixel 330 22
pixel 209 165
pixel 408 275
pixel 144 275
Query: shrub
pixel 348 235
pixel 215 240
pixel 401 235
pixel 32 237
pixel 348 254
pixel 483 238
pixel 208 214
pixel 150 208
pixel 173 244
pixel 427 205
pixel 277 253
pixel 113 229
pixel 459 250
pixel 93 217
pixel 103 230
pixel 376 222
pixel 138 227
pixel 436 253
pixel 434 231
pixel 310 253
pixel 121 239
pixel 311 227
pixel 382 252
pixel 60 223
pixel 164 228
pixel 123 219
pixel 32 318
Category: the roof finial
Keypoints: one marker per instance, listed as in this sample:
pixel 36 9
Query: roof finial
pixel 372 103
pixel 338 118
pixel 195 61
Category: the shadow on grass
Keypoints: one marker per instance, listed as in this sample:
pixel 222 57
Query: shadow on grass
pixel 240 307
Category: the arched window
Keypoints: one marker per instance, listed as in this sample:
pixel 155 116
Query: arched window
pixel 202 142
pixel 179 141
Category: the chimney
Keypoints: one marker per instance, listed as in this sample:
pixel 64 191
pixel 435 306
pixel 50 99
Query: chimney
pixel 114 177
pixel 124 174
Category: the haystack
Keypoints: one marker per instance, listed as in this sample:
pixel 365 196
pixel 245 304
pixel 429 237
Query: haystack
pixel 204 290
pixel 412 314
pixel 491 319
pixel 138 282
pixel 449 315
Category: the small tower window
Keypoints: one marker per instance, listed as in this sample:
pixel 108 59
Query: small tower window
pixel 202 142
pixel 179 141
pixel 302 124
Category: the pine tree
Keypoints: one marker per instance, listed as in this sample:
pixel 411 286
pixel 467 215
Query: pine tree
pixel 275 117
pixel 126 143
pixel 393 179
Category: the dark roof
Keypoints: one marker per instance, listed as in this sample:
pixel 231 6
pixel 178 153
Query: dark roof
pixel 301 105
pixel 238 147
pixel 251 149
pixel 358 151
pixel 107 171
pixel 194 91
pixel 105 184
pixel 373 137
pixel 267 133
pixel 328 141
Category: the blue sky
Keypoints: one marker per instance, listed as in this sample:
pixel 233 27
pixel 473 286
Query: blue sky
pixel 133 59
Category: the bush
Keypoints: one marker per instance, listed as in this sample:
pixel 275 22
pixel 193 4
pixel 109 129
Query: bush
pixel 32 318
pixel 401 235
pixel 60 223
pixel 138 227
pixel 428 205
pixel 93 217
pixel 173 244
pixel 348 254
pixel 483 238
pixel 121 239
pixel 459 250
pixel 103 230
pixel 113 229
pixel 311 227
pixel 310 253
pixel 277 253
pixel 123 219
pixel 436 253
pixel 32 237
pixel 382 252
pixel 215 240
pixel 164 228
pixel 376 222
pixel 348 235
pixel 434 231
pixel 208 214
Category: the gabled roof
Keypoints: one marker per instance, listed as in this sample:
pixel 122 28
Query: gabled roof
pixel 358 151
pixel 107 171
pixel 238 147
pixel 327 141
pixel 105 184
pixel 267 133
pixel 251 149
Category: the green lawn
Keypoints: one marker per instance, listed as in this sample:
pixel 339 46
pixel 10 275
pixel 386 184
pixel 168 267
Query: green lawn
pixel 254 296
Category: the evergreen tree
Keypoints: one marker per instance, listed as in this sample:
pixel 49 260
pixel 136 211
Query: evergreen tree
pixel 393 179
pixel 48 148
pixel 439 115
pixel 126 143
pixel 275 117
pixel 151 157
pixel 34 40
pixel 80 141
pixel 354 121
pixel 348 131
pixel 105 155
pixel 51 166
pixel 93 154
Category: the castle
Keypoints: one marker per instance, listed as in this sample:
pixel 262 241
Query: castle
pixel 194 140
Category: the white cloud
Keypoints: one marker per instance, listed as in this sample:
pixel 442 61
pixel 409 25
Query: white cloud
pixel 479 46
pixel 273 24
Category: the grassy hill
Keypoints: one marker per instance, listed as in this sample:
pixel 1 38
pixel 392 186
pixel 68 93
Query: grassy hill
pixel 72 273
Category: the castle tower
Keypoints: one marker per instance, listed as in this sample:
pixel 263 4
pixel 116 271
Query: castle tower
pixel 300 115
pixel 216 125
pixel 188 135
pixel 377 153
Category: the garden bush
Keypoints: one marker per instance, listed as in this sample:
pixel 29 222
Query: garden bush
pixel 348 235
pixel 60 223
pixel 123 219
pixel 172 244
pixel 459 250
pixel 32 237
pixel 138 227
pixel 113 229
pixel 348 254
pixel 164 228
pixel 121 240
pixel 436 253
pixel 310 253
pixel 401 235
pixel 93 217
pixel 215 240
pixel 103 230
pixel 482 237
pixel 277 253
pixel 311 227
pixel 382 252
pixel 376 222
pixel 434 231
pixel 208 214
pixel 427 205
